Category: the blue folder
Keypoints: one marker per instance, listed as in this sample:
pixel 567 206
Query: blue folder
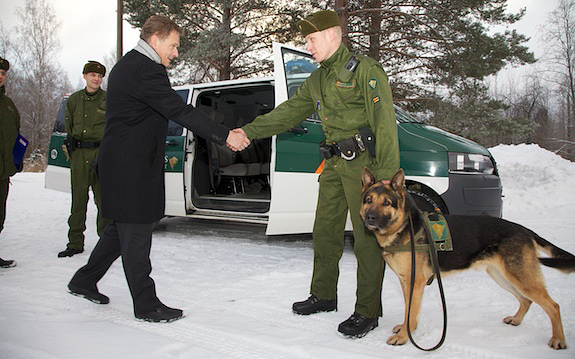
pixel 19 151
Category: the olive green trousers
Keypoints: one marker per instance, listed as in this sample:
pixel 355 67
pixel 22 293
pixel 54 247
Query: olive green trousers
pixel 340 187
pixel 82 177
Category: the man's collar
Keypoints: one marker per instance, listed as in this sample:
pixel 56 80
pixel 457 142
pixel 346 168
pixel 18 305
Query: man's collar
pixel 145 49
pixel 342 53
pixel 87 93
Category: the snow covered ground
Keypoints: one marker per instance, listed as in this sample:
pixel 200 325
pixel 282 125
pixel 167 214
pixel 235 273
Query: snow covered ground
pixel 237 288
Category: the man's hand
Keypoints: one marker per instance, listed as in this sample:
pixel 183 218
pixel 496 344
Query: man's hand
pixel 237 140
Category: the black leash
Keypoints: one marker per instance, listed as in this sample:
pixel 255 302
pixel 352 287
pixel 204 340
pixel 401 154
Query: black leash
pixel 435 264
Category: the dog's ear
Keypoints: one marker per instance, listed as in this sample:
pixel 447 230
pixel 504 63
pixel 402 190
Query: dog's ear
pixel 367 178
pixel 398 181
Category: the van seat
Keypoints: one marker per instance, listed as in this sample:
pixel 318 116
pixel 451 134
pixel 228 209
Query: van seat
pixel 225 162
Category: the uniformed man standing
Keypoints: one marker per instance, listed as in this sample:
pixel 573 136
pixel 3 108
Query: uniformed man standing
pixel 352 97
pixel 85 124
pixel 9 128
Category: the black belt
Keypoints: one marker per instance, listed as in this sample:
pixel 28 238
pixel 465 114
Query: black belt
pixel 85 144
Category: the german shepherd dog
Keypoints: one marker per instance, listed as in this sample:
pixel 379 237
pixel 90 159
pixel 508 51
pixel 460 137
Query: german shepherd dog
pixel 506 250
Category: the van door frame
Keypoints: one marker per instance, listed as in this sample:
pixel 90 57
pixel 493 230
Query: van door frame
pixel 293 194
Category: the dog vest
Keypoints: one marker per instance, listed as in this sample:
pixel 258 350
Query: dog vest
pixel 439 230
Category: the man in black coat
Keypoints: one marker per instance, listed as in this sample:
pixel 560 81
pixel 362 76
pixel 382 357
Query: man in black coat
pixel 131 165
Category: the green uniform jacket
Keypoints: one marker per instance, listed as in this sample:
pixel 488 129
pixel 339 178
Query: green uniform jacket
pixel 86 115
pixel 344 107
pixel 9 127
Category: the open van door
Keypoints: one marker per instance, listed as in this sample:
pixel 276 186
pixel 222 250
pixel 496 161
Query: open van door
pixel 296 161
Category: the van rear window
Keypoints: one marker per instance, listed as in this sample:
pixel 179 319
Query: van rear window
pixel 60 125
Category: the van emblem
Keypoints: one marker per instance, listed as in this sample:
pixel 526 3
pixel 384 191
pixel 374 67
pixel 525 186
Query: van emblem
pixel 173 162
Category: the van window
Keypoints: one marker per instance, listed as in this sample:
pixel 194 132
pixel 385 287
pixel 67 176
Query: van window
pixel 175 129
pixel 298 67
pixel 60 125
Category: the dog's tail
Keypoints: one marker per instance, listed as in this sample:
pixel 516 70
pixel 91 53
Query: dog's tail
pixel 558 258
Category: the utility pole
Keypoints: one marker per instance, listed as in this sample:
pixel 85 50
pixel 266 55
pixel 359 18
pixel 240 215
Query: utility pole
pixel 119 20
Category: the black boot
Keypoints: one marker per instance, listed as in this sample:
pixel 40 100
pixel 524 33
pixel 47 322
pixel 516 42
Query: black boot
pixel 357 326
pixel 91 295
pixel 7 263
pixel 314 305
pixel 162 314
pixel 69 252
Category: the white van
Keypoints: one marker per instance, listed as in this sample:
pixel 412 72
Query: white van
pixel 275 180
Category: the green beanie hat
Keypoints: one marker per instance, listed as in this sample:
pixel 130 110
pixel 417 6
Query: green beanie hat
pixel 318 21
pixel 94 66
pixel 4 64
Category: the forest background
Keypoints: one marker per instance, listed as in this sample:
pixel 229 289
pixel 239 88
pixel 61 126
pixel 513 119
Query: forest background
pixel 443 57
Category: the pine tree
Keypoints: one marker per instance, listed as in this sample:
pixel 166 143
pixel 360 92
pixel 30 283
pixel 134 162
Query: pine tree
pixel 224 39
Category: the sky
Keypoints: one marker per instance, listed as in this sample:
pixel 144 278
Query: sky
pixel 88 32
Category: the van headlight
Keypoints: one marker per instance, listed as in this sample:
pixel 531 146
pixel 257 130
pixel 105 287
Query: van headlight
pixel 470 163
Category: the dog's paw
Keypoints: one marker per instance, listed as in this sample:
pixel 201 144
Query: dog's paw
pixel 397 339
pixel 511 320
pixel 557 343
pixel 397 328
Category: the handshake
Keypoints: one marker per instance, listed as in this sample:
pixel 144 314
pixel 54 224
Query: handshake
pixel 237 140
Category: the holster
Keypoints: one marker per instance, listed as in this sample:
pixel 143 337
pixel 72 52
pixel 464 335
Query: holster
pixel 70 143
pixel 368 140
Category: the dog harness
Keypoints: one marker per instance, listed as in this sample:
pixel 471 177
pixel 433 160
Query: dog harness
pixel 437 225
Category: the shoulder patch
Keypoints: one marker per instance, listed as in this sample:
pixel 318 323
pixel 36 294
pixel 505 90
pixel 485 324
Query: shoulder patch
pixel 372 84
pixel 375 100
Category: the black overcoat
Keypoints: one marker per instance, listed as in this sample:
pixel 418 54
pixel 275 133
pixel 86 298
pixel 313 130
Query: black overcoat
pixel 131 160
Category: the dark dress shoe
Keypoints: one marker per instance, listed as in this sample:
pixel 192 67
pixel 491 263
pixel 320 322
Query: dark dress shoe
pixel 91 295
pixel 357 326
pixel 162 314
pixel 7 263
pixel 314 305
pixel 69 252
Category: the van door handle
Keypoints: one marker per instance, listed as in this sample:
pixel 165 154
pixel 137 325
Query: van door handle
pixel 299 130
pixel 172 143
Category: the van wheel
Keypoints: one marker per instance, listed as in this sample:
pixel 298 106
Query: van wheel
pixel 428 202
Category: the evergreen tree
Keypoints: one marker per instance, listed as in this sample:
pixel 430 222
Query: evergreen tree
pixel 224 39
pixel 437 54
pixel 426 45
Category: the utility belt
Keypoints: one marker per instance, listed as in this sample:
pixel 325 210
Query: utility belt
pixel 72 143
pixel 352 147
